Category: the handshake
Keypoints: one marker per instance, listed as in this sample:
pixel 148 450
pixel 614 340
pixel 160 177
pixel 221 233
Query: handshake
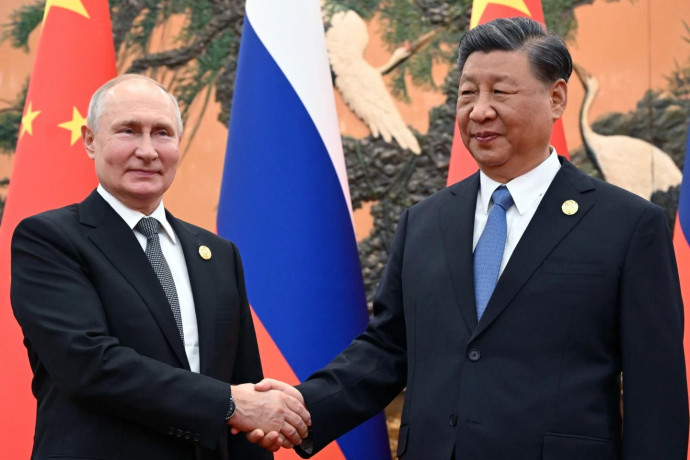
pixel 270 413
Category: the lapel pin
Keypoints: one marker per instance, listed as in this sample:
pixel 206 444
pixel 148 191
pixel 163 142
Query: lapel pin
pixel 204 252
pixel 569 207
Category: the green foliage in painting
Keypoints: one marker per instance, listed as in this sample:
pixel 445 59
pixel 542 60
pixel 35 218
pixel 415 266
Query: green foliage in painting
pixel 365 8
pixel 10 122
pixel 23 21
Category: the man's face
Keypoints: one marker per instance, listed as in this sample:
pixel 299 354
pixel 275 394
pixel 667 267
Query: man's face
pixel 505 114
pixel 136 144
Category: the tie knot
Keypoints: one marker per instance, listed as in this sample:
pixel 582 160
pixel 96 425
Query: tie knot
pixel 148 226
pixel 502 197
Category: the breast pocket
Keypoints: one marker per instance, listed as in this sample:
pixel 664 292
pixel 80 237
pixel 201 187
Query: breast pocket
pixel 575 272
pixel 574 267
pixel 559 446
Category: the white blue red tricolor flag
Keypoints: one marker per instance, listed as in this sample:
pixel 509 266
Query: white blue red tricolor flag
pixel 681 244
pixel 285 202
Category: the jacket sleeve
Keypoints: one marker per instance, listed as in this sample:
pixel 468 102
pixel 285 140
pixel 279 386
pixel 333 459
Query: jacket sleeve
pixel 655 402
pixel 66 331
pixel 371 371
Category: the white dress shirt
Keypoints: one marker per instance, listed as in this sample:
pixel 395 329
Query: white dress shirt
pixel 527 192
pixel 172 251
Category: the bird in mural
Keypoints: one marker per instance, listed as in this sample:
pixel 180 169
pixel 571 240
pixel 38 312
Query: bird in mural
pixel 361 85
pixel 625 161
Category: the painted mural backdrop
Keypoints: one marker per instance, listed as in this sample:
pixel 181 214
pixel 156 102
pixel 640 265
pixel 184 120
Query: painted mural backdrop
pixel 392 63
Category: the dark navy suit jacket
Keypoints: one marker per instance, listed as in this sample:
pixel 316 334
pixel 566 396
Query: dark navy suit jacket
pixel 111 377
pixel 583 298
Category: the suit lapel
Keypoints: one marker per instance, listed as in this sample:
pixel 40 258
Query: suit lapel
pixel 457 221
pixel 548 227
pixel 117 243
pixel 201 275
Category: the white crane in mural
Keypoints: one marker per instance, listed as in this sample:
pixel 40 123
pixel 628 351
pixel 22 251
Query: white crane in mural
pixel 361 85
pixel 625 161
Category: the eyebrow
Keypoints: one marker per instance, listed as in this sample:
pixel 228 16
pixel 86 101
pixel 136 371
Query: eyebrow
pixel 507 78
pixel 138 124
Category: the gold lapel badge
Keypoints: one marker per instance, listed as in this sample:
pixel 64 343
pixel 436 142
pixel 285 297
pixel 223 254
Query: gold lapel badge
pixel 569 207
pixel 205 252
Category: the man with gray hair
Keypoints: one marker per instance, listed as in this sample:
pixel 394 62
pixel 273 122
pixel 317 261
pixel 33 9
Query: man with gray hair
pixel 136 323
pixel 515 301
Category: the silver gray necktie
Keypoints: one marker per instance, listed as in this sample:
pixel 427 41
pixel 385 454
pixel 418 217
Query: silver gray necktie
pixel 148 226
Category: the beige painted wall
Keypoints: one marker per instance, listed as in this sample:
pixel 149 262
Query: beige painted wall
pixel 629 46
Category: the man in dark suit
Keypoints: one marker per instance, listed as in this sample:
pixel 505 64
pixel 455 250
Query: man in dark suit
pixel 137 324
pixel 515 301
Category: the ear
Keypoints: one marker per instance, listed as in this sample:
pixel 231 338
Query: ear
pixel 87 136
pixel 559 98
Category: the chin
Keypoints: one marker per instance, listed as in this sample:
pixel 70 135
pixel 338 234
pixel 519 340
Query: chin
pixel 490 160
pixel 145 196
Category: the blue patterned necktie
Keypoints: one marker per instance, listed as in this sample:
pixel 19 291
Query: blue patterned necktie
pixel 489 251
pixel 148 226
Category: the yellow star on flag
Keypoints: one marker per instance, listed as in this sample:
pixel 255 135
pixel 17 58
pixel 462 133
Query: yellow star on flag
pixel 27 121
pixel 479 6
pixel 73 5
pixel 74 125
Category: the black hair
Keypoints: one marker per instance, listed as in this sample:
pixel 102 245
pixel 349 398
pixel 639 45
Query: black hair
pixel 548 56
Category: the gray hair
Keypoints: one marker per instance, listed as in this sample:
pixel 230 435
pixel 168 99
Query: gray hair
pixel 96 104
pixel 548 56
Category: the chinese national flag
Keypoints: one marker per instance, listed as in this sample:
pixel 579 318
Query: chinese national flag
pixel 75 56
pixel 461 162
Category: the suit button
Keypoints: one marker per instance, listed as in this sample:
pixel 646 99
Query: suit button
pixel 474 355
pixel 453 419
pixel 178 433
pixel 187 435
pixel 171 430
pixel 196 437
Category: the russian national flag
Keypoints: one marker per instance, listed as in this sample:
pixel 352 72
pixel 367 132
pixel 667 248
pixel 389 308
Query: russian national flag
pixel 285 202
pixel 681 245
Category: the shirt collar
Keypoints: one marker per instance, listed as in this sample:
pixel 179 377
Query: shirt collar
pixel 132 217
pixel 524 189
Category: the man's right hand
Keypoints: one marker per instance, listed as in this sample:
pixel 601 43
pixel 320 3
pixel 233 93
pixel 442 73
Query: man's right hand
pixel 271 411
pixel 272 440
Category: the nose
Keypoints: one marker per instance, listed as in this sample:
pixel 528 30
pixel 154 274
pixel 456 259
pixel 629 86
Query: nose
pixel 145 148
pixel 482 109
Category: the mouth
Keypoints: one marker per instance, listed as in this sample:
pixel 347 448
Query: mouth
pixel 484 136
pixel 143 172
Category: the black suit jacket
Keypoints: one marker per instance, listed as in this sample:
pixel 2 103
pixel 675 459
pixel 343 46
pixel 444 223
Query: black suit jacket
pixel 583 298
pixel 111 377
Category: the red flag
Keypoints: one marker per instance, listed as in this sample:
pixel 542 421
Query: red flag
pixel 75 56
pixel 461 162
